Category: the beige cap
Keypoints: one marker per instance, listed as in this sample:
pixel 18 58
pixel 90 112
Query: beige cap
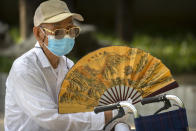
pixel 53 11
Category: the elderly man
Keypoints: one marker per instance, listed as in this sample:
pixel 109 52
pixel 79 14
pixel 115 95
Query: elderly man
pixel 34 81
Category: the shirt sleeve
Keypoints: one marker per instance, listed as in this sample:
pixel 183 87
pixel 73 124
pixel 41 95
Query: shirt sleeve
pixel 34 100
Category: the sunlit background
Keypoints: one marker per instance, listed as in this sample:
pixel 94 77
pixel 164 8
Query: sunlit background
pixel 164 28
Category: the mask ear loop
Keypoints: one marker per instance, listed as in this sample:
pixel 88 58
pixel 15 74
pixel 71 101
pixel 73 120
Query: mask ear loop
pixel 43 39
pixel 67 64
pixel 44 34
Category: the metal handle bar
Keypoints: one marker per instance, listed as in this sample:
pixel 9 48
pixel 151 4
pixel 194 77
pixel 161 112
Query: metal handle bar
pixel 107 107
pixel 118 106
pixel 162 98
pixel 176 99
pixel 130 107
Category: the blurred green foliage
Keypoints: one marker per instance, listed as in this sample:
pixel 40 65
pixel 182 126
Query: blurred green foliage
pixel 5 64
pixel 15 34
pixel 177 51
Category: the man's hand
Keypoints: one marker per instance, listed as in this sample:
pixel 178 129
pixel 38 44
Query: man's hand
pixel 108 116
pixel 125 119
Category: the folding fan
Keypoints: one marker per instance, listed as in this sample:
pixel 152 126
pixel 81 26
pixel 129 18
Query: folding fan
pixel 113 74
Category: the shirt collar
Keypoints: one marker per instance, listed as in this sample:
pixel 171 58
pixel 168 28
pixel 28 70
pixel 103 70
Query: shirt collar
pixel 41 56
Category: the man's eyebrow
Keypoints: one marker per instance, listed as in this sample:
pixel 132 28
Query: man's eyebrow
pixel 70 21
pixel 56 24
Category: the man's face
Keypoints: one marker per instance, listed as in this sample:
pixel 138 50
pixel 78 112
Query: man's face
pixel 65 24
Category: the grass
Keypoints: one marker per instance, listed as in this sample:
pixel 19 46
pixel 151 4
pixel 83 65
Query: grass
pixel 177 51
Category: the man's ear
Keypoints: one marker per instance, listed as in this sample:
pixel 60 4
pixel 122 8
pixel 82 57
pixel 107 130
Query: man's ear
pixel 38 34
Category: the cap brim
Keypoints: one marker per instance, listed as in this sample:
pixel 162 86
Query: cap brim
pixel 63 16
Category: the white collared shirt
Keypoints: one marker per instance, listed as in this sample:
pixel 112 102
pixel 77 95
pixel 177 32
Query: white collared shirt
pixel 31 102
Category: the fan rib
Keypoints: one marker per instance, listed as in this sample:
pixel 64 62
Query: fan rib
pixel 127 94
pixel 117 93
pixel 136 102
pixel 103 103
pixel 100 104
pixel 114 94
pixel 105 100
pixel 111 96
pixel 136 97
pixel 124 93
pixel 109 99
pixel 120 93
pixel 130 93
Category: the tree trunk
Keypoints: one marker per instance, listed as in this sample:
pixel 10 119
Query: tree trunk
pixel 23 23
pixel 26 13
pixel 124 28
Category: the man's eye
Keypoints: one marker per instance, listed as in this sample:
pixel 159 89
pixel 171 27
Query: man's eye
pixel 69 26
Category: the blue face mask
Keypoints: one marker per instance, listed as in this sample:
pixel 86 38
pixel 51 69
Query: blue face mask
pixel 60 47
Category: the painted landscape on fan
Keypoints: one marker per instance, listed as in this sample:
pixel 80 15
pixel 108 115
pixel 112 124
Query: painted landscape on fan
pixel 110 75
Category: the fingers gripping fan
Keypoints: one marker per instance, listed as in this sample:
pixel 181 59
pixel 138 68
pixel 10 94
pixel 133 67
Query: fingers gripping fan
pixel 113 74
